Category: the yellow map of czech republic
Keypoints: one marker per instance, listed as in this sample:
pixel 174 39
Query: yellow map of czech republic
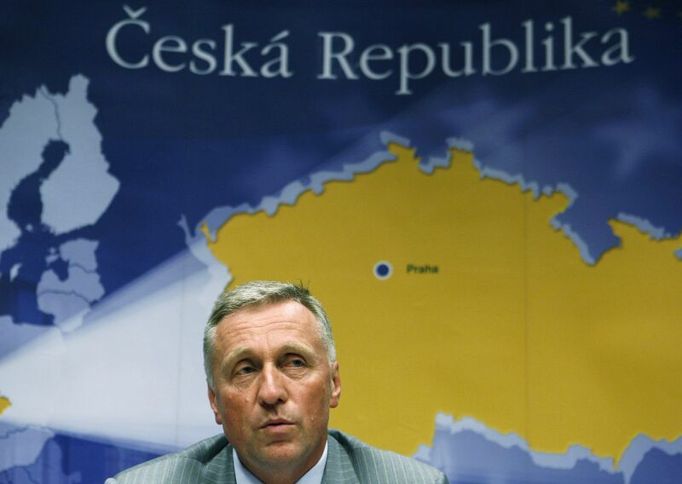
pixel 481 309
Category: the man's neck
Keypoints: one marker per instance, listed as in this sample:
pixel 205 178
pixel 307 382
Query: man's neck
pixel 311 474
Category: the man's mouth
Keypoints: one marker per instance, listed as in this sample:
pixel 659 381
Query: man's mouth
pixel 277 423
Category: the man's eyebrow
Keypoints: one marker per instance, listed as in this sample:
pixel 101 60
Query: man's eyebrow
pixel 242 352
pixel 298 348
pixel 234 356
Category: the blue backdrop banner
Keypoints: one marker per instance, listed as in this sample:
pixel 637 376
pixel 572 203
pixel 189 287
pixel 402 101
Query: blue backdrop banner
pixel 487 196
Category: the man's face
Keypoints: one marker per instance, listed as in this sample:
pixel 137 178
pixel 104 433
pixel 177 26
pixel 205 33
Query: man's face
pixel 274 386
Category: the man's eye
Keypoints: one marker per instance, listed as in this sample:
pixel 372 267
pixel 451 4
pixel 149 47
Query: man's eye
pixel 244 370
pixel 296 362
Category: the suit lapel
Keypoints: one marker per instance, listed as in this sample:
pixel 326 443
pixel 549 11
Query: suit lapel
pixel 220 470
pixel 339 467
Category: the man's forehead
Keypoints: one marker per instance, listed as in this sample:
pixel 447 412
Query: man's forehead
pixel 262 314
pixel 288 317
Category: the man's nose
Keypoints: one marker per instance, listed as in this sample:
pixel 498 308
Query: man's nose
pixel 272 388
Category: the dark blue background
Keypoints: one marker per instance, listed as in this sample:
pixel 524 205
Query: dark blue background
pixel 182 144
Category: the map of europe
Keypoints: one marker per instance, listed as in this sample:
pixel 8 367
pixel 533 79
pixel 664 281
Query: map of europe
pixel 500 257
pixel 490 412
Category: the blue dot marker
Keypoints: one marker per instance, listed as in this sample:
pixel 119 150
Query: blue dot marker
pixel 383 270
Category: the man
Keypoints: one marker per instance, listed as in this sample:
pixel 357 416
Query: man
pixel 272 377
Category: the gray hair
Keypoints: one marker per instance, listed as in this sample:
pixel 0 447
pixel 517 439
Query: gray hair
pixel 259 293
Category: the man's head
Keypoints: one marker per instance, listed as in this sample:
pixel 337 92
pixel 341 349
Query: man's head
pixel 272 374
pixel 260 293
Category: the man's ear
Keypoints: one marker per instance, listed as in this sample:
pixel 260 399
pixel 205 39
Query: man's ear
pixel 212 398
pixel 336 386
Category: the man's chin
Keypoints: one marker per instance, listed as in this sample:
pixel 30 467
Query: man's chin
pixel 284 451
pixel 285 454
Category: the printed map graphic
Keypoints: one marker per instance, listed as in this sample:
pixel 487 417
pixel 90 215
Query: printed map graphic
pixel 501 261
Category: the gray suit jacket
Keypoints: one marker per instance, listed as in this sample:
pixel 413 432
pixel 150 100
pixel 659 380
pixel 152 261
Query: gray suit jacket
pixel 348 461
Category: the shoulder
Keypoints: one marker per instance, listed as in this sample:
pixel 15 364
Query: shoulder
pixel 380 466
pixel 198 463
